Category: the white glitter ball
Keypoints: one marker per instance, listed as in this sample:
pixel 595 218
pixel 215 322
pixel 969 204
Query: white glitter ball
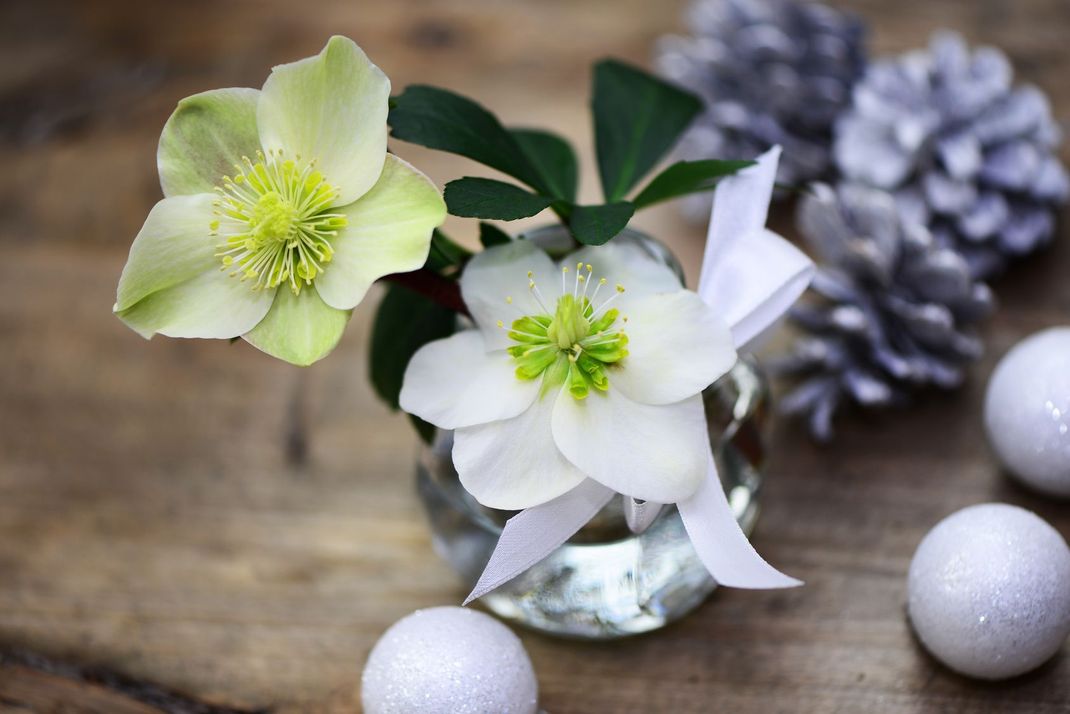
pixel 449 660
pixel 1027 411
pixel 990 591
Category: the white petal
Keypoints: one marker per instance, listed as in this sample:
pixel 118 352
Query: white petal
pixel 455 382
pixel 627 263
pixel 677 346
pixel 514 464
pixel 501 272
pixel 652 453
pixel 388 231
pixel 331 108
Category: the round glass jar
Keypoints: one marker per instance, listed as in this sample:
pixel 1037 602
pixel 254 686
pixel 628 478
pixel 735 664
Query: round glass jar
pixel 606 581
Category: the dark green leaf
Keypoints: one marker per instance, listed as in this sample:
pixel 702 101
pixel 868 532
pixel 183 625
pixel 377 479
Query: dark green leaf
pixel 425 430
pixel 594 225
pixel 686 177
pixel 491 235
pixel 405 322
pixel 637 119
pixel 445 253
pixel 439 119
pixel 486 198
pixel 553 158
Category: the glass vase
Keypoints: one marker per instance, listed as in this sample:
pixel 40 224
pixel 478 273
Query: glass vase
pixel 606 581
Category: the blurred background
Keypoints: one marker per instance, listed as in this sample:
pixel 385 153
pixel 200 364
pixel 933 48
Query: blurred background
pixel 198 515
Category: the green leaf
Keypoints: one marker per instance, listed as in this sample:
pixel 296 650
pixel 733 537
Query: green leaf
pixel 686 177
pixel 486 198
pixel 553 157
pixel 637 119
pixel 405 322
pixel 440 119
pixel 425 430
pixel 595 225
pixel 491 235
pixel 445 253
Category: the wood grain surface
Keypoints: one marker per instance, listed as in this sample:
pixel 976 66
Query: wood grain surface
pixel 196 515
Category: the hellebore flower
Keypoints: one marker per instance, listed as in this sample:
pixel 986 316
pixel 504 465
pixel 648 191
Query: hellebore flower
pixel 591 368
pixel 282 206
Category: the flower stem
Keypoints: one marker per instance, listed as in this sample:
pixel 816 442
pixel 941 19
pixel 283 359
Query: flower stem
pixel 432 286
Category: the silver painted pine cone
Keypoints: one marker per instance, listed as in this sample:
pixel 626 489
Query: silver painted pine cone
pixel 964 151
pixel 892 311
pixel 770 72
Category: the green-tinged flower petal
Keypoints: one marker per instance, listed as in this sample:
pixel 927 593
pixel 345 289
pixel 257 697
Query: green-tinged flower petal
pixel 205 138
pixel 210 305
pixel 300 329
pixel 330 108
pixel 172 283
pixel 172 247
pixel 387 231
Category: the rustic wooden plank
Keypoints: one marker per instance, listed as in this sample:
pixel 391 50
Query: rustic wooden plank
pixel 196 515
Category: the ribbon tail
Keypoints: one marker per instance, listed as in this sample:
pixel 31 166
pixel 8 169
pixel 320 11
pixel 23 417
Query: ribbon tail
pixel 534 533
pixel 750 274
pixel 721 544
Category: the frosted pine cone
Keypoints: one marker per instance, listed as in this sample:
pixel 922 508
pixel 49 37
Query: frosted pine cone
pixel 965 152
pixel 893 312
pixel 771 72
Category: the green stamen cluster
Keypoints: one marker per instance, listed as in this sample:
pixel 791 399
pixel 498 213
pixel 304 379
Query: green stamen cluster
pixel 285 222
pixel 573 347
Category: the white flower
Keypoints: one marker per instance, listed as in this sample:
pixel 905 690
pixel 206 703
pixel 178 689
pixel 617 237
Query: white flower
pixel 590 368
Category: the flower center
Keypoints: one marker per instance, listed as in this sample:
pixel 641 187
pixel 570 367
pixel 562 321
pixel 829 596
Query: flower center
pixel 576 343
pixel 282 222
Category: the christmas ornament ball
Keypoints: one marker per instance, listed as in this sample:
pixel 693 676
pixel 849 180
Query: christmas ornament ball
pixel 989 591
pixel 449 660
pixel 1027 411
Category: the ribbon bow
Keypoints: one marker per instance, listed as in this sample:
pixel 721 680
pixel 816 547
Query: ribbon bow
pixel 752 276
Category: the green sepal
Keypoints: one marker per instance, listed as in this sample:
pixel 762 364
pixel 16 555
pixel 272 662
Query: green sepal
pixel 606 321
pixel 533 360
pixel 595 370
pixel 578 381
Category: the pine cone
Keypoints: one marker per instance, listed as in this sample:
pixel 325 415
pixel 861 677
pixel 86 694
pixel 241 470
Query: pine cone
pixel 965 152
pixel 771 72
pixel 894 311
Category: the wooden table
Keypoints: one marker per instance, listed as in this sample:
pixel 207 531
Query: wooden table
pixel 198 516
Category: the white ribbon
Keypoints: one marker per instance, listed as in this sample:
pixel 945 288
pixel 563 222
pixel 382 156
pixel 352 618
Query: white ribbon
pixel 751 275
pixel 534 533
